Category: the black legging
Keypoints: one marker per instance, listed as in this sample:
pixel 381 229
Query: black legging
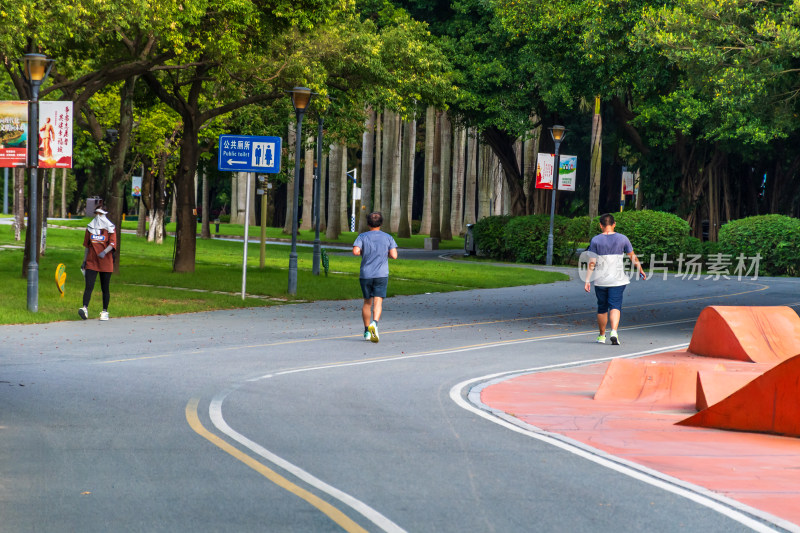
pixel 105 281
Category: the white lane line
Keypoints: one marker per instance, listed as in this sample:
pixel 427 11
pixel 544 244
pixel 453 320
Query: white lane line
pixel 464 349
pixel 728 507
pixel 215 412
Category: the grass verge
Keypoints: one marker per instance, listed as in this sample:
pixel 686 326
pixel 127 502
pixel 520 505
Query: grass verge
pixel 146 284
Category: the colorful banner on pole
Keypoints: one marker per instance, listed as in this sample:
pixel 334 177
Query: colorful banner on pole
pixel 627 183
pixel 13 133
pixel 567 172
pixel 544 171
pixel 55 134
pixel 136 186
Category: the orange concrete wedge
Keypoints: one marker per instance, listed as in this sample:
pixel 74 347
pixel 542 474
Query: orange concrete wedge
pixel 754 334
pixel 650 381
pixel 768 404
pixel 715 386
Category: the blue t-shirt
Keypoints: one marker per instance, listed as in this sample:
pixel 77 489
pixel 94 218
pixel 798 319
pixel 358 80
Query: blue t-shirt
pixel 611 250
pixel 375 246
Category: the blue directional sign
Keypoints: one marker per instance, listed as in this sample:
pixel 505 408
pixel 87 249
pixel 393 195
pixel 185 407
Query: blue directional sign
pixel 250 153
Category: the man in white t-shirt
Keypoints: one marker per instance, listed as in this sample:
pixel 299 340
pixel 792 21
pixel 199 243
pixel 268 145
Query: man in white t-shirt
pixel 606 268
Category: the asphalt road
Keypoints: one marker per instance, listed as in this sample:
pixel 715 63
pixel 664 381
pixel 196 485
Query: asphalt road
pixel 284 419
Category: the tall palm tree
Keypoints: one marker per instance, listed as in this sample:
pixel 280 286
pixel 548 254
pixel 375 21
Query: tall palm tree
pixel 367 166
pixel 430 118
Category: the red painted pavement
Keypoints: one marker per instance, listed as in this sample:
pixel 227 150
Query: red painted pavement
pixel 759 470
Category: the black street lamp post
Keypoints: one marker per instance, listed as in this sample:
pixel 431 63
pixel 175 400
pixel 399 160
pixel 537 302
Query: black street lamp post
pixel 301 96
pixel 317 186
pixel 558 133
pixel 36 68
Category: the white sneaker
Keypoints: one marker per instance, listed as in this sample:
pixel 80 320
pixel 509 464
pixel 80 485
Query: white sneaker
pixel 103 315
pixel 367 336
pixel 614 338
pixel 373 329
pixel 83 312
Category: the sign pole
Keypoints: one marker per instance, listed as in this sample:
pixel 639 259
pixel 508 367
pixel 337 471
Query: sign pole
pixel 263 224
pixel 246 233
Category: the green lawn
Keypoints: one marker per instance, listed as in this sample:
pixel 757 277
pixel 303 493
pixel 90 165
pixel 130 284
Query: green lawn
pixel 237 230
pixel 146 284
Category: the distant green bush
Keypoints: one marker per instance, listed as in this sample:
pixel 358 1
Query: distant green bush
pixel 489 233
pixel 776 238
pixel 526 239
pixel 225 219
pixel 693 246
pixel 654 233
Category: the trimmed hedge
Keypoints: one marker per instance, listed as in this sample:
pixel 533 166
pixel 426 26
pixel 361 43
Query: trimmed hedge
pixel 526 239
pixel 489 233
pixel 775 237
pixel 654 233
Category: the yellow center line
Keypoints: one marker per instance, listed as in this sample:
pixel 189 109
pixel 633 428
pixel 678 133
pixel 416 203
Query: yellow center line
pixel 329 510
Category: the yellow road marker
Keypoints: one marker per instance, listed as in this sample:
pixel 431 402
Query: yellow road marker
pixel 329 510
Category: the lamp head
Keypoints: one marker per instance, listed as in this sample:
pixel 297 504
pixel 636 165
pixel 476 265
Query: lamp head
pixel 558 133
pixel 35 67
pixel 301 96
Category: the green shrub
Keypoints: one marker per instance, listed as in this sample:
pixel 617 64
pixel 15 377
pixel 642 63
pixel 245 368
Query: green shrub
pixel 582 229
pixel 489 235
pixel 693 246
pixel 710 248
pixel 653 233
pixel 225 219
pixel 775 237
pixel 526 239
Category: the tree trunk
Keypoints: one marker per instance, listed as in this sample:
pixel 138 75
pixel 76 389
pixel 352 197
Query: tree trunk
pixel 186 228
pixel 334 221
pixel 367 167
pixel 344 206
pixel 436 180
pixel 290 207
pixel 397 202
pixel 308 185
pixel 145 201
pixel 457 216
pixel 388 160
pixel 118 152
pixel 159 206
pixel 51 204
pixel 19 202
pixel 404 225
pixel 324 180
pixel 472 178
pixel 597 160
pixel 531 149
pixel 484 181
pixel 377 180
pixel 47 206
pixel 430 118
pixel 502 145
pixel 205 227
pixel 446 179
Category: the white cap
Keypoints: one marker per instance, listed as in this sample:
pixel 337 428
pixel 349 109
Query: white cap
pixel 101 211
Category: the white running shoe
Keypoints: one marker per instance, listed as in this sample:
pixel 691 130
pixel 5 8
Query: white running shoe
pixel 367 336
pixel 614 337
pixel 103 315
pixel 373 330
pixel 83 312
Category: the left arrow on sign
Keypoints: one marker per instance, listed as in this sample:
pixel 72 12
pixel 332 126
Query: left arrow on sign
pixel 232 162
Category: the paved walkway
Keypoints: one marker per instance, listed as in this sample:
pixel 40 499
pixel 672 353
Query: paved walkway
pixel 761 471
